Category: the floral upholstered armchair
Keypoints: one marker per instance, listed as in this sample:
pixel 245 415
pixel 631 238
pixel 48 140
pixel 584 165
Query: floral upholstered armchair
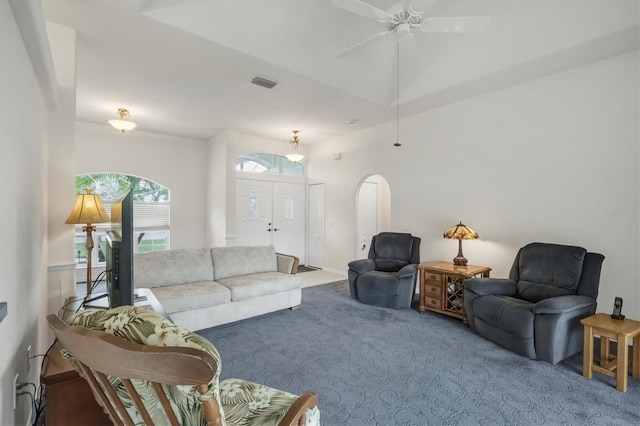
pixel 143 369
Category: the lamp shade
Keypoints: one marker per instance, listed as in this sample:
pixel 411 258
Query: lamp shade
pixel 88 209
pixel 460 232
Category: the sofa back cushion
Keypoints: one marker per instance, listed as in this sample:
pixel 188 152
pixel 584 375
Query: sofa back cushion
pixel 547 270
pixel 243 260
pixel 162 268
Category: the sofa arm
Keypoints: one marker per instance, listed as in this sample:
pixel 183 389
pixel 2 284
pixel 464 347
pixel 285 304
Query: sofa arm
pixel 287 263
pixel 361 266
pixel 487 286
pixel 562 304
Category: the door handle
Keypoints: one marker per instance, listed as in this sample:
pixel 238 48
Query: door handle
pixel 269 230
pixel 276 229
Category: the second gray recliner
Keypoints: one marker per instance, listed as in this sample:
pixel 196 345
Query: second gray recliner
pixel 388 277
pixel 537 311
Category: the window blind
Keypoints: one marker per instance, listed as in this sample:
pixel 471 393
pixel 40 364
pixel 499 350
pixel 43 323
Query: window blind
pixel 147 215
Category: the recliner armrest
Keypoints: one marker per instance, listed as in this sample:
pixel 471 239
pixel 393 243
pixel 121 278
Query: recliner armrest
pixel 487 286
pixel 562 304
pixel 407 271
pixel 361 266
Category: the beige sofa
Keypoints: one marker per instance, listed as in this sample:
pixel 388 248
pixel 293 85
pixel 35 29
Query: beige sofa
pixel 202 288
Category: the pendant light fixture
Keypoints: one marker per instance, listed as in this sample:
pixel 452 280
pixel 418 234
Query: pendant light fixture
pixel 122 124
pixel 294 156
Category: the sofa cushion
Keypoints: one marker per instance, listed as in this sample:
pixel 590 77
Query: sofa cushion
pixel 188 296
pixel 256 285
pixel 161 268
pixel 243 260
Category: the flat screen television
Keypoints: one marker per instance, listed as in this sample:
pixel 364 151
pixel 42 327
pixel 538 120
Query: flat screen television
pixel 119 254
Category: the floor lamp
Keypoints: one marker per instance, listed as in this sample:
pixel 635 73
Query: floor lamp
pixel 88 209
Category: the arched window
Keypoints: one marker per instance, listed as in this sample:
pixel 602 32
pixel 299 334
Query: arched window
pixel 268 163
pixel 151 213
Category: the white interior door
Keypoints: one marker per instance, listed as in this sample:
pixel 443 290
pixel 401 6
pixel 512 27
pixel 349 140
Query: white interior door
pixel 316 225
pixel 271 213
pixel 253 212
pixel 367 217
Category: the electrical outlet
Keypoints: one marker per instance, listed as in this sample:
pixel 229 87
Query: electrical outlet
pixel 15 391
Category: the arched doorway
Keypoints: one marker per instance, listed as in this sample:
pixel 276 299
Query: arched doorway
pixel 373 211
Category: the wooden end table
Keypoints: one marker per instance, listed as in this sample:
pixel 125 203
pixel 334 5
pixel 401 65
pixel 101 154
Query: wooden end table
pixel 442 286
pixel 620 330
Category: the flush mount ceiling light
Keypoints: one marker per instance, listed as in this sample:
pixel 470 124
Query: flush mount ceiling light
pixel 122 124
pixel 294 156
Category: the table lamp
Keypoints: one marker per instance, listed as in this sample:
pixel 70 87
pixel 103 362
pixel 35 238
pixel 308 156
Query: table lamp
pixel 88 209
pixel 460 232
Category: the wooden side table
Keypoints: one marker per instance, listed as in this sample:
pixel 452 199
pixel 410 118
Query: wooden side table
pixel 620 330
pixel 442 286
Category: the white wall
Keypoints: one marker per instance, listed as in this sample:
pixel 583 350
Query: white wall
pixel 552 160
pixel 177 163
pixel 23 216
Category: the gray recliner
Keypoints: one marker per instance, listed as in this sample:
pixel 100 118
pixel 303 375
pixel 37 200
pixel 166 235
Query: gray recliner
pixel 537 311
pixel 388 277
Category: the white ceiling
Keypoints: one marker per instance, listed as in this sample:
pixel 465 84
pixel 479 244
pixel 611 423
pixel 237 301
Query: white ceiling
pixel 183 67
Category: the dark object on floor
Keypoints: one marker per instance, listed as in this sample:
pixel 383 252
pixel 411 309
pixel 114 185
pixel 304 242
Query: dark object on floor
pixel 537 311
pixel 302 268
pixel 388 277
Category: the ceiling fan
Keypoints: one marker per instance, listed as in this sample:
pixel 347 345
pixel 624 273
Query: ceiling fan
pixel 401 18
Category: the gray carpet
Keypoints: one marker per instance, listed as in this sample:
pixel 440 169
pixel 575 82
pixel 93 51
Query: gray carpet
pixel 378 366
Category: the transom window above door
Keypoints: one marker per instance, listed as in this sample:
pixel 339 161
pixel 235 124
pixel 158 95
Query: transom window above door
pixel 268 163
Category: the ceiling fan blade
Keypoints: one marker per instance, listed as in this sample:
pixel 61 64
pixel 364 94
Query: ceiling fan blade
pixel 461 25
pixel 363 43
pixel 421 5
pixel 363 9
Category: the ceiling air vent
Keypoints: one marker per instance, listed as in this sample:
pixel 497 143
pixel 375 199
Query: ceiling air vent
pixel 259 81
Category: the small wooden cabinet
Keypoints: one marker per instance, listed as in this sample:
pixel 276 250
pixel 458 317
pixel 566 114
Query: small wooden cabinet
pixel 442 286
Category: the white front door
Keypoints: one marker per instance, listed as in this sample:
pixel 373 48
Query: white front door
pixel 253 212
pixel 316 225
pixel 289 212
pixel 271 213
pixel 367 218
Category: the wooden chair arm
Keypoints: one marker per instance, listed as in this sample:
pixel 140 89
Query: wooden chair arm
pixel 296 414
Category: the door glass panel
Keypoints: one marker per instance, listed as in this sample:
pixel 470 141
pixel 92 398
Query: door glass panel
pixel 289 212
pixel 253 208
